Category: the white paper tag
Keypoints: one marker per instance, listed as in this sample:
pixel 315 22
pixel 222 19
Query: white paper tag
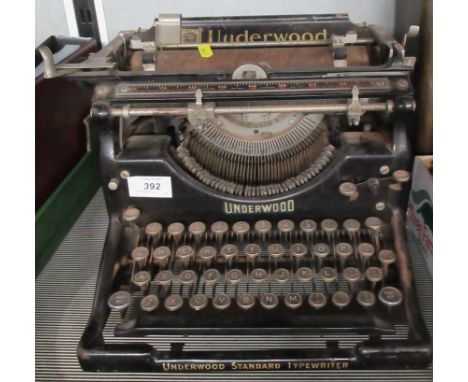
pixel 150 186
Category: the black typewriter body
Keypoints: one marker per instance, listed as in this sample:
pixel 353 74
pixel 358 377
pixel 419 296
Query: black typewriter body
pixel 267 199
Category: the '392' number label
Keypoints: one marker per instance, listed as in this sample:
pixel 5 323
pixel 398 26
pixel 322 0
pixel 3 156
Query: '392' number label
pixel 150 186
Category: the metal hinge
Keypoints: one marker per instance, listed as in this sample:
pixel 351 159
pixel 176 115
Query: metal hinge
pixel 339 48
pixel 355 108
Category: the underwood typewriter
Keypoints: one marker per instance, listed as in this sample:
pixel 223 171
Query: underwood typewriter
pixel 255 172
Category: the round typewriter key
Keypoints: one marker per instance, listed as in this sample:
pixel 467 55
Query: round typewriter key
pixel 221 301
pixel 386 257
pixel 246 301
pixel 285 226
pixel 119 301
pixel 149 303
pixel 140 254
pixel 211 276
pixel 351 226
pixel 328 275
pixel 262 227
pixel 390 296
pixel 343 250
pixel 184 254
pixel 175 231
pixel 164 278
pixel 308 226
pixel 188 277
pixel 341 299
pixel 154 230
pixel 352 276
pixel 366 251
pixel 161 255
pixel 259 275
pixel 234 276
pixel 329 225
pixel 131 214
pixel 298 251
pixel 281 275
pixel 320 251
pixel 401 176
pixel 252 251
pixel 305 274
pixel 142 279
pixel 317 300
pixel 269 300
pixel 197 229
pixel 240 229
pixel 207 254
pixel 219 228
pixel 347 189
pixel 173 302
pixel 275 251
pixel 373 223
pixel 229 252
pixel 374 275
pixel 293 300
pixel 198 301
pixel 365 298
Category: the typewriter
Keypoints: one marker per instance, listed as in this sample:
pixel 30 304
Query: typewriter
pixel 256 174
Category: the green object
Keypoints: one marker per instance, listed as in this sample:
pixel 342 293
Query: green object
pixel 58 214
pixel 423 201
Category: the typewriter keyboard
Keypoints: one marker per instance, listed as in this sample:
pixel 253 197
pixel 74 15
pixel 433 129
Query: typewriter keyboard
pixel 265 275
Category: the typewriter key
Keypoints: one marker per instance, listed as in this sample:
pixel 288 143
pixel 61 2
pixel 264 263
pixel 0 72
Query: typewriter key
pixel 285 226
pixel 229 252
pixel 207 254
pixel 164 278
pixel 374 275
pixel 373 223
pixel 269 300
pixel 341 299
pixel 365 298
pixel 240 229
pixel 161 255
pixel 219 229
pixel 317 300
pixel 308 227
pixel 188 277
pixel 390 296
pixel 351 226
pixel 119 301
pixel 175 231
pixel 262 227
pixel 234 276
pixel 211 276
pixel 184 254
pixel 298 251
pixel 321 251
pixel 259 275
pixel 275 251
pixel 328 275
pixel 197 229
pixel 140 254
pixel 329 226
pixel 252 251
pixel 149 303
pixel 293 300
pixel 173 302
pixel 154 230
pixel 305 274
pixel 343 250
pixel 352 276
pixel 347 189
pixel 142 279
pixel 221 301
pixel 366 251
pixel 246 301
pixel 386 257
pixel 130 215
pixel 198 301
pixel 281 275
pixel 401 176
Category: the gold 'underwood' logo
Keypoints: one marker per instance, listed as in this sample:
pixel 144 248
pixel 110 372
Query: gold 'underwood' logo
pixel 260 208
pixel 195 36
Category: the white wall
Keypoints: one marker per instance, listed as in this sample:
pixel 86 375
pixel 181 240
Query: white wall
pixel 131 14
